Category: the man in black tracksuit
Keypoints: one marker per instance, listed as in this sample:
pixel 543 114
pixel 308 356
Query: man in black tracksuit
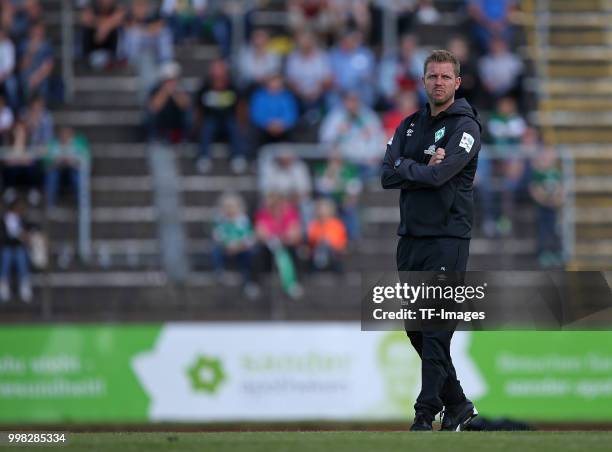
pixel 432 158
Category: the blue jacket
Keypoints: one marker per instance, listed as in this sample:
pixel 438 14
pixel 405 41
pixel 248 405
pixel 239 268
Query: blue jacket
pixel 267 106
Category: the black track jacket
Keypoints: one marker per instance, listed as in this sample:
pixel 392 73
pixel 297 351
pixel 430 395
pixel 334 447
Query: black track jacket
pixel 435 201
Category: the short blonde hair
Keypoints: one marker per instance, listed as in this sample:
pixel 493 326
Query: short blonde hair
pixel 442 56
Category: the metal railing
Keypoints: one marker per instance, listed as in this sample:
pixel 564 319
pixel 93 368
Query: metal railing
pixel 36 153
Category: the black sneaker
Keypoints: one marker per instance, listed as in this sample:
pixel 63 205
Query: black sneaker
pixel 457 418
pixel 422 422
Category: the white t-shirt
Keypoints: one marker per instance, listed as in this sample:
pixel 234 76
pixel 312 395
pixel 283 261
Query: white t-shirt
pixel 308 72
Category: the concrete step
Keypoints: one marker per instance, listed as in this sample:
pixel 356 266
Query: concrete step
pixel 582 134
pixel 595 248
pixel 574 38
pixel 593 185
pixel 594 215
pixel 593 168
pixel 583 70
pixel 573 86
pixel 573 6
pixel 578 104
pixel 568 20
pixel 594 200
pixel 593 231
pixel 583 53
pixel 122 198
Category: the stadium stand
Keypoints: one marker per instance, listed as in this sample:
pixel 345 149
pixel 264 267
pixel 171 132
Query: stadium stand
pixel 128 271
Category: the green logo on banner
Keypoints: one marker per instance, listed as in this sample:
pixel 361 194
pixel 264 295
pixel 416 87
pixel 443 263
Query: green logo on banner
pixel 439 134
pixel 206 374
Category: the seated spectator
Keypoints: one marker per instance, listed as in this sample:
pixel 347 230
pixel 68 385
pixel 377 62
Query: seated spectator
pixel 355 130
pixel 339 181
pixel 14 233
pixel 403 10
pixel 39 124
pixel 36 63
pixel 287 174
pixel 19 17
pixel 188 20
pixel 327 238
pixel 168 107
pixel 506 126
pixel 405 104
pixel 146 33
pixel 546 189
pixel 8 82
pixel 309 74
pixel 216 100
pixel 353 68
pixel 470 82
pixel 274 112
pixel 347 14
pixel 277 227
pixel 65 157
pixel 312 15
pixel 402 72
pixel 21 168
pixel 256 62
pixel 7 119
pixel 101 22
pixel 234 239
pixel 491 20
pixel 500 71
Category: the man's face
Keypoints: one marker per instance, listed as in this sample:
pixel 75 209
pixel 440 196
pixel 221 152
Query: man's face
pixel 440 83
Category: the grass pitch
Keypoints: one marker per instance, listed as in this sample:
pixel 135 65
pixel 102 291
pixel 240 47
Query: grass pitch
pixel 337 441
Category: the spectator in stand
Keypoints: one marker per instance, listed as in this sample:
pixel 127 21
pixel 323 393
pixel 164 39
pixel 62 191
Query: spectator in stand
pixel 350 14
pixel 256 62
pixel 189 19
pixel 285 173
pixel 353 67
pixel 216 100
pixel 500 71
pixel 546 189
pixel 310 15
pixel 146 33
pixel 505 129
pixel 403 10
pixel 327 238
pixel 101 23
pixel 19 17
pixel 8 82
pixel 402 71
pixel 491 20
pixel 168 107
pixel 65 157
pixel 274 111
pixel 339 181
pixel 21 169
pixel 7 120
pixel 309 75
pixel 505 125
pixel 39 124
pixel 234 239
pixel 14 231
pixel 277 227
pixel 470 87
pixel 356 131
pixel 36 63
pixel 406 103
